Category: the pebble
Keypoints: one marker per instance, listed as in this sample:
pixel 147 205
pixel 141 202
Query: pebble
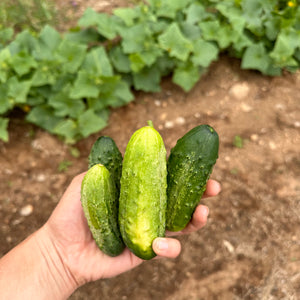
pixel 272 145
pixel 157 102
pixel 169 124
pixel 239 90
pixel 197 115
pixel 246 108
pixel 26 210
pixel 297 124
pixel 254 137
pixel 40 177
pixel 228 246
pixel 180 121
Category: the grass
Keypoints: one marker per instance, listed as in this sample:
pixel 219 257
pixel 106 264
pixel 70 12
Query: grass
pixel 27 14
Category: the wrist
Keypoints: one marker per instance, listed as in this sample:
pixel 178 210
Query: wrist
pixel 55 277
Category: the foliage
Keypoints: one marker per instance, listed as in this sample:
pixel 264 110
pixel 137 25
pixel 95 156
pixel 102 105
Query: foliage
pixel 67 83
pixel 30 14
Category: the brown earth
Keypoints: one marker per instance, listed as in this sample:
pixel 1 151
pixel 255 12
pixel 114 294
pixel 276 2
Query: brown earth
pixel 250 248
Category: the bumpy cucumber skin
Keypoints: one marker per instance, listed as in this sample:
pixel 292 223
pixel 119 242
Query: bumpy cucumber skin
pixel 99 202
pixel 105 151
pixel 142 203
pixel 189 166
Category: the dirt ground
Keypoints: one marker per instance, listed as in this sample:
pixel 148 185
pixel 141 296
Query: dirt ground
pixel 250 248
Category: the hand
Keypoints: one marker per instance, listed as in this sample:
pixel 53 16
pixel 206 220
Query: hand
pixel 62 255
pixel 70 233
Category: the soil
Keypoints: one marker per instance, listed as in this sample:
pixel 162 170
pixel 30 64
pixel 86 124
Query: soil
pixel 250 247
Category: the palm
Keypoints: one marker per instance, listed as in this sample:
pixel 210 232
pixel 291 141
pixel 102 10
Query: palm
pixel 75 242
pixel 81 256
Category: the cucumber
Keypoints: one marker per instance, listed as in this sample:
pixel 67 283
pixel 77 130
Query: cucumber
pixel 99 202
pixel 105 151
pixel 142 203
pixel 189 166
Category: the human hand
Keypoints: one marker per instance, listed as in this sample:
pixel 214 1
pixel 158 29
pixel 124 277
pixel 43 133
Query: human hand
pixel 81 258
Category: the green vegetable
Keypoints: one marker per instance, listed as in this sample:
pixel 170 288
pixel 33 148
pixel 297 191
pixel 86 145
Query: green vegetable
pixel 189 166
pixel 105 151
pixel 98 198
pixel 143 197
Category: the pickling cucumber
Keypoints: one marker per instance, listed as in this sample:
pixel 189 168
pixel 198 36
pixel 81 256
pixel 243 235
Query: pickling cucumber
pixel 189 166
pixel 142 203
pixel 105 151
pixel 99 202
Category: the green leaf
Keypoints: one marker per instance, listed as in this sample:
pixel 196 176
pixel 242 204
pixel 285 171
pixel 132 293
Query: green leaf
pixel 174 42
pixel 105 24
pixel 85 86
pixel 68 129
pixel 233 13
pixel 97 63
pixel 134 38
pixel 48 41
pixel 50 37
pixel 215 31
pixel 18 90
pixel 169 8
pixel 256 57
pixel 3 129
pixel 22 63
pixel 127 14
pixel 286 43
pixel 65 106
pixel 89 122
pixel 136 62
pixel 45 74
pixel 186 76
pixel 83 36
pixel 6 103
pixel 204 53
pixel 44 117
pixel 119 60
pixel 24 41
pixel 195 13
pixel 123 93
pixel 147 80
pixel 5 58
pixel 6 35
pixel 71 55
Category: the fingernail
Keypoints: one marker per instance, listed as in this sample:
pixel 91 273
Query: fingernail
pixel 162 244
pixel 205 211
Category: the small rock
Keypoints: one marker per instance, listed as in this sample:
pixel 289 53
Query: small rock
pixel 254 137
pixel 41 177
pixel 180 121
pixel 26 210
pixel 157 102
pixel 240 90
pixel 297 124
pixel 169 124
pixel 272 145
pixel 228 246
pixel 246 108
pixel 163 116
pixel 197 115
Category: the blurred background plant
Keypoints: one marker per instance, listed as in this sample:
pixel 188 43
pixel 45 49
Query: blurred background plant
pixel 27 14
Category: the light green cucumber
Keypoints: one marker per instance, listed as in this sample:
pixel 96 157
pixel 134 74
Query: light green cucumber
pixel 142 203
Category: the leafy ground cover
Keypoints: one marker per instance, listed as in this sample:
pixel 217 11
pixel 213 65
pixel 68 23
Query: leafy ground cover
pixel 66 84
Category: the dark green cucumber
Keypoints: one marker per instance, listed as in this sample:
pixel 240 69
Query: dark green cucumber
pixel 99 202
pixel 189 166
pixel 105 151
pixel 142 203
